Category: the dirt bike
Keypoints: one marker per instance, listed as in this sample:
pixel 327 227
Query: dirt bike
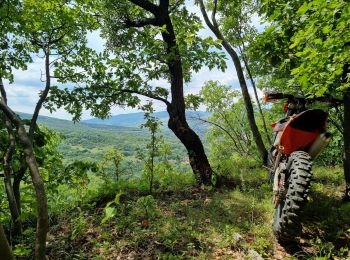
pixel 297 140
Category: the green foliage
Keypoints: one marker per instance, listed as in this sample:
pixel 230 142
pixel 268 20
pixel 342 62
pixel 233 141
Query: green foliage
pixel 21 250
pixel 170 178
pixel 292 44
pixel 229 137
pixel 132 59
pixel 201 223
pixel 110 209
pixel 234 19
pixel 153 147
pixel 147 207
pixel 322 49
pixel 332 155
pixel 78 224
pixel 13 51
pixel 113 157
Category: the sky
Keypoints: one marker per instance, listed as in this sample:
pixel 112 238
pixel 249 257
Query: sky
pixel 23 93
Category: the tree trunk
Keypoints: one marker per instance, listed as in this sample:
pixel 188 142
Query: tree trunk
pixel 17 178
pixel 245 93
pixel 346 135
pixel 256 98
pixel 42 218
pixel 5 249
pixel 197 157
pixel 15 214
pixel 177 118
pixel 248 103
pixel 176 108
pixel 7 160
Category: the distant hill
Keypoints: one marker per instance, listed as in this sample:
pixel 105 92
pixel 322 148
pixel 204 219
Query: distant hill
pixel 87 140
pixel 136 119
pixel 65 126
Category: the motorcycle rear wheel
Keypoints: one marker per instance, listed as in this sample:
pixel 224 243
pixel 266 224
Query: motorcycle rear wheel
pixel 286 224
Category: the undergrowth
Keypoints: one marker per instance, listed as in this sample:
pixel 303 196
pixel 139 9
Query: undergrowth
pixel 189 222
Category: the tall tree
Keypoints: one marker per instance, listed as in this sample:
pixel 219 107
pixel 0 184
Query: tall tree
pixel 52 28
pixel 59 31
pixel 230 48
pixel 13 55
pixel 42 216
pixel 149 42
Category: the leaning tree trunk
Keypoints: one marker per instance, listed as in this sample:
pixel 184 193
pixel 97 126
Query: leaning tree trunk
pixel 5 249
pixel 176 109
pixel 42 218
pixel 346 135
pixel 256 97
pixel 245 93
pixel 197 157
pixel 18 177
pixel 248 104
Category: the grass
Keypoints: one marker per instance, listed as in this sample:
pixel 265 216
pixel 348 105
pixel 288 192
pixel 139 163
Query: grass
pixel 190 222
pixel 198 223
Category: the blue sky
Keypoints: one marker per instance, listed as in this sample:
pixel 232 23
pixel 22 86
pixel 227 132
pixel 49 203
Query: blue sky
pixel 23 93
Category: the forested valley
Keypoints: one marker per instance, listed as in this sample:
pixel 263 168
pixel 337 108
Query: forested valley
pixel 253 163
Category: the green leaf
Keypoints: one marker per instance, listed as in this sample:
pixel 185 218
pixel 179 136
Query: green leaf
pixel 109 213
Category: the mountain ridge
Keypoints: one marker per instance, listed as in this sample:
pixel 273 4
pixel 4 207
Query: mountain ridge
pixel 136 119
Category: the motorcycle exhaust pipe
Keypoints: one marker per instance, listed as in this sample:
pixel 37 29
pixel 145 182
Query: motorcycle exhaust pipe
pixel 321 142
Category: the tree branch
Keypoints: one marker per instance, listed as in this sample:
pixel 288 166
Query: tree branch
pixel 164 5
pixel 43 96
pixel 214 13
pixel 7 163
pixel 150 95
pixel 56 40
pixel 221 128
pixel 213 26
pixel 42 215
pixel 148 6
pixel 141 23
pixel 174 6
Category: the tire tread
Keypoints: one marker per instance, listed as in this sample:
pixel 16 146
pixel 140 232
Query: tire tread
pixel 287 226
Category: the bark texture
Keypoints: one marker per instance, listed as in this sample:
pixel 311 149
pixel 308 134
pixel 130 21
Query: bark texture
pixel 17 179
pixel 5 249
pixel 246 64
pixel 42 214
pixel 197 157
pixel 346 135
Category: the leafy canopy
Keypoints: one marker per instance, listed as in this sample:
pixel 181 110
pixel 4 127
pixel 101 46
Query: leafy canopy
pixel 306 46
pixel 135 58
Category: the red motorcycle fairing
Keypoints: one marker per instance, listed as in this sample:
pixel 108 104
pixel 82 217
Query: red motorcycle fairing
pixel 300 131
